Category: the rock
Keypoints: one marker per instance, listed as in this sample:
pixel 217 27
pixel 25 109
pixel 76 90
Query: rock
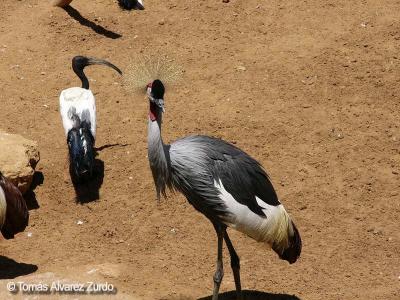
pixel 18 159
pixel 109 270
pixel 337 133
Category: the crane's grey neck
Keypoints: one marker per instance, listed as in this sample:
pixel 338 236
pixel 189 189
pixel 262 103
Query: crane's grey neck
pixel 158 154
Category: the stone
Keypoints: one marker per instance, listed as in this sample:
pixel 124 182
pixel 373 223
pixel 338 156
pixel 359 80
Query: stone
pixel 18 159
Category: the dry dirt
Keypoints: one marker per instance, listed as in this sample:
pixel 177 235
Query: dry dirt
pixel 317 102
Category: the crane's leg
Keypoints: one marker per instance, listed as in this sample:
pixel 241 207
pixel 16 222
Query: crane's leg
pixel 219 273
pixel 235 264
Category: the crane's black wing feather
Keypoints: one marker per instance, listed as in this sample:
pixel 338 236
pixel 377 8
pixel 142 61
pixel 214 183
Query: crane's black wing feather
pixel 206 159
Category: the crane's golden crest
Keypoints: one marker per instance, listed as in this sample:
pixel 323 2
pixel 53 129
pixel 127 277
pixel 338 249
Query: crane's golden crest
pixel 145 68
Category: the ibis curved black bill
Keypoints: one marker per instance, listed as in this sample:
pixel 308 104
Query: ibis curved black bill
pixel 80 62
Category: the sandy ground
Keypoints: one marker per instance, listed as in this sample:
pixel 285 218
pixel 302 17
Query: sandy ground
pixel 317 102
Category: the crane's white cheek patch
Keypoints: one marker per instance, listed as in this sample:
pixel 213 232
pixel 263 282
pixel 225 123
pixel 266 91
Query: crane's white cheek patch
pixel 271 228
pixel 82 100
pixel 3 207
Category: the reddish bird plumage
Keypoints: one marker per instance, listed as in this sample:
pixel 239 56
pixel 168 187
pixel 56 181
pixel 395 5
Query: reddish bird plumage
pixel 14 213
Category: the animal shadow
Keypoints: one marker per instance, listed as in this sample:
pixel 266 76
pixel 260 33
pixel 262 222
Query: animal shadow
pixel 89 190
pixel 10 269
pixel 30 196
pixel 85 22
pixel 253 295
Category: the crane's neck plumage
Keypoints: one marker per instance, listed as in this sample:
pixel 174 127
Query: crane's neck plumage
pixel 158 154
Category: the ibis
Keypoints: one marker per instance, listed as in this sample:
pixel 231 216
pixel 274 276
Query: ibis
pixel 78 114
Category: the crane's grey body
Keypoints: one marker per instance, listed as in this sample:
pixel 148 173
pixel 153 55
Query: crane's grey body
pixel 198 161
pixel 225 184
pixel 193 164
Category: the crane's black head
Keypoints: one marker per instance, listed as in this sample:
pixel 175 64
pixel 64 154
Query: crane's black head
pixel 157 89
pixel 80 62
pixel 131 4
pixel 81 151
pixel 155 92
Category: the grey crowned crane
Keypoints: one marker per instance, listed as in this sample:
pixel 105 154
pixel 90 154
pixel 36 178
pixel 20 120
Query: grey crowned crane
pixel 124 4
pixel 14 215
pixel 78 114
pixel 225 184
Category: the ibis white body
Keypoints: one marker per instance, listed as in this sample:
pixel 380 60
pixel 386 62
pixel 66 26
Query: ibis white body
pixel 82 100
pixel 3 207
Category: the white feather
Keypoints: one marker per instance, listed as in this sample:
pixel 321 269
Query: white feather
pixel 81 99
pixel 273 228
pixel 3 207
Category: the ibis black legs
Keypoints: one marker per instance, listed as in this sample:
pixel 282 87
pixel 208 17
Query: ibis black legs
pixel 235 263
pixel 219 273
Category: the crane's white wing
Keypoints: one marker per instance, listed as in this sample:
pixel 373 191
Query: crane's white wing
pixel 82 100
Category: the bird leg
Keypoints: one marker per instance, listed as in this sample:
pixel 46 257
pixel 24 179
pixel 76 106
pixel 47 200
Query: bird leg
pixel 235 264
pixel 219 273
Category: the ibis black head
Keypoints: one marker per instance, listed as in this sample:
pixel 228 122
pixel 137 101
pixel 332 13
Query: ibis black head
pixel 131 4
pixel 81 150
pixel 80 62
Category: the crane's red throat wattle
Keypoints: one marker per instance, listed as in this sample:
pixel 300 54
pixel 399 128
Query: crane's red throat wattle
pixel 153 111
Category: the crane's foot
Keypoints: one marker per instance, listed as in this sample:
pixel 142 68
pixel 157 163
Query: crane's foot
pixel 219 274
pixel 236 275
